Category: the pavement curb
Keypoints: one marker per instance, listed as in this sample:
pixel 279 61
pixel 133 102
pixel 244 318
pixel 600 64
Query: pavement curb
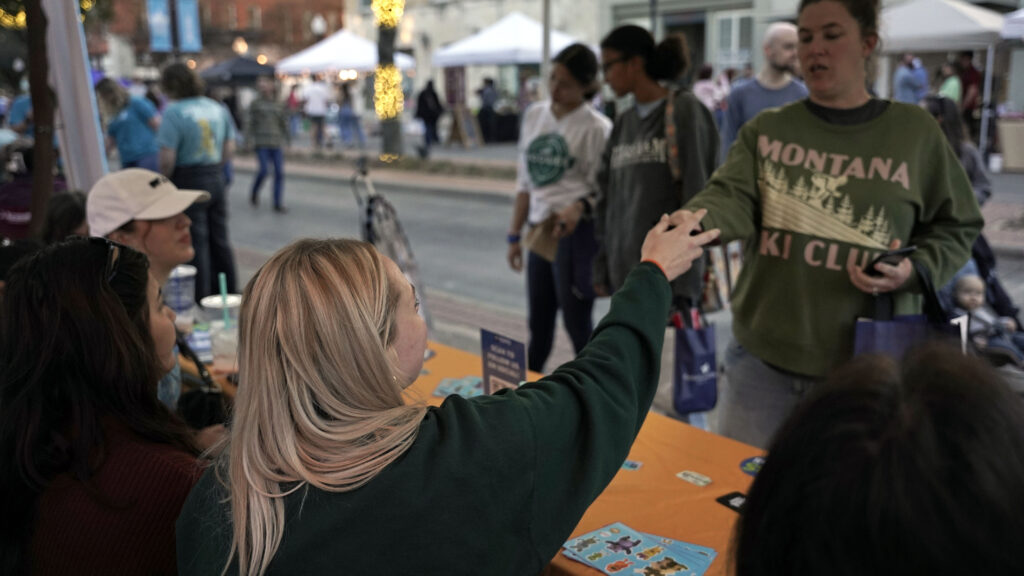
pixel 343 172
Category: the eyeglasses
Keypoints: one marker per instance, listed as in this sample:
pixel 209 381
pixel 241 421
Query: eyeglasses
pixel 113 256
pixel 607 65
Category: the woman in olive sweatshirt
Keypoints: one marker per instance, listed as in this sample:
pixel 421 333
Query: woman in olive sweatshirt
pixel 328 469
pixel 816 190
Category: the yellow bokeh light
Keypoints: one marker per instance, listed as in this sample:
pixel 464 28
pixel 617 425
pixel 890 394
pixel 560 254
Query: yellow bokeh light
pixel 388 100
pixel 262 59
pixel 387 13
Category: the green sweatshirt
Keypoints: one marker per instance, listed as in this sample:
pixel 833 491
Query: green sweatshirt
pixel 493 485
pixel 807 197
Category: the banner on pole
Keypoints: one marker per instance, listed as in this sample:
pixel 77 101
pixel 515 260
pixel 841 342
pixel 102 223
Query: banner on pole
pixel 189 38
pixel 158 13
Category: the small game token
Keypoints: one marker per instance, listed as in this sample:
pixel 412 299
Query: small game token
pixel 632 465
pixel 752 466
pixel 695 478
pixel 733 501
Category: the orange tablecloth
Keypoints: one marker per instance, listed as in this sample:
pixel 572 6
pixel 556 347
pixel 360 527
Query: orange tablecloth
pixel 650 499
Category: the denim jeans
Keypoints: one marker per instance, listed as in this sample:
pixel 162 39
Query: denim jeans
pixel 554 286
pixel 209 227
pixel 268 156
pixel 757 398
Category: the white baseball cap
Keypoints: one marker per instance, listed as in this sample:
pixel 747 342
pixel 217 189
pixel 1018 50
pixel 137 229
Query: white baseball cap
pixel 135 194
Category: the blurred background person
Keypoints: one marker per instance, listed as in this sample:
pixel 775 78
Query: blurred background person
pixel 487 115
pixel 906 84
pixel 349 125
pixel 773 86
pixel 196 139
pixel 96 468
pixel 316 101
pixel 267 132
pixel 949 83
pixel 429 109
pixel 294 107
pixel 132 124
pixel 970 83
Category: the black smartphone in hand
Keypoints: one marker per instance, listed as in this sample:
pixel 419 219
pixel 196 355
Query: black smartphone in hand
pixel 892 257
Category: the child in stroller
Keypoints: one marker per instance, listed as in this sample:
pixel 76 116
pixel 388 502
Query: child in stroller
pixel 996 337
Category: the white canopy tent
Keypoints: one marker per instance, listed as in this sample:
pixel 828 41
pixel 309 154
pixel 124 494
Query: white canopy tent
pixel 1013 25
pixel 945 26
pixel 515 39
pixel 342 50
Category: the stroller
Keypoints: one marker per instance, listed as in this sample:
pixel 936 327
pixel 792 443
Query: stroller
pixel 984 261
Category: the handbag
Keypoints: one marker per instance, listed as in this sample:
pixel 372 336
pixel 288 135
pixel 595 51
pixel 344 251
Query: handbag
pixel 204 405
pixel 695 375
pixel 540 239
pixel 891 335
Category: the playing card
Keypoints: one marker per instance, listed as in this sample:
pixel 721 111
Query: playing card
pixel 618 548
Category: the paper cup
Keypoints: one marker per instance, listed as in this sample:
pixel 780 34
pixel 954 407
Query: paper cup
pixel 180 294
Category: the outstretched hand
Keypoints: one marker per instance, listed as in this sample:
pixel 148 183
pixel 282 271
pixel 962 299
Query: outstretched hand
pixel 671 245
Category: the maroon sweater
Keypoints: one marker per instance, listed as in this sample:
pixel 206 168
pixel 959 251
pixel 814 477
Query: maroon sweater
pixel 127 530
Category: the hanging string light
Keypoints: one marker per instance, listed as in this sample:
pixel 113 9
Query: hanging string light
pixel 13 21
pixel 387 86
pixel 387 13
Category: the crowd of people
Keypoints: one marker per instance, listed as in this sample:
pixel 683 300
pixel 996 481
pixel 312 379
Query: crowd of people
pixel 874 465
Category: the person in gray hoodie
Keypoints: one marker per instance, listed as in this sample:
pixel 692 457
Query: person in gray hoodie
pixel 649 167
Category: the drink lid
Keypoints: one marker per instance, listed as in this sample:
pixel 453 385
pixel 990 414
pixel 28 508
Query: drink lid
pixel 183 270
pixel 214 301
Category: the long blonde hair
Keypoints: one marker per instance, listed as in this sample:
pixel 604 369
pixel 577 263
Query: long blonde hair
pixel 318 403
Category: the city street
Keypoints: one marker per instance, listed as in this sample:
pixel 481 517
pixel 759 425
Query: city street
pixel 458 240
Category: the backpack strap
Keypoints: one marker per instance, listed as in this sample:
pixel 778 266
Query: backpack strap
pixel 671 141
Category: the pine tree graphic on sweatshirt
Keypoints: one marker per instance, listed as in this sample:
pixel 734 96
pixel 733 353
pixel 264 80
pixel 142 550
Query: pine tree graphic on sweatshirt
pixel 817 207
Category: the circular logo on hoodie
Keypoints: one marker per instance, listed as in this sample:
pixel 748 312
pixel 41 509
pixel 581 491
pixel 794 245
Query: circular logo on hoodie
pixel 547 159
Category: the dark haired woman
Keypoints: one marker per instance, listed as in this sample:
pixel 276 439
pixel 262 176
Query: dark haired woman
pixel 892 469
pixel 659 155
pixel 65 217
pixel 196 142
pixel 817 189
pixel 560 146
pixel 95 468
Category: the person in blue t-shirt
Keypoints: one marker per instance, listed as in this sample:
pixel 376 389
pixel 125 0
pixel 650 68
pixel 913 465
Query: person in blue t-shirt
pixel 773 86
pixel 132 123
pixel 196 138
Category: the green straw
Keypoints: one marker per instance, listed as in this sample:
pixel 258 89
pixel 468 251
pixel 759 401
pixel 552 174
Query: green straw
pixel 224 299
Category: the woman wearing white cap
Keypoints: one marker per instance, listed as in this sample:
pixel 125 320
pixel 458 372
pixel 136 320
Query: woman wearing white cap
pixel 145 211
